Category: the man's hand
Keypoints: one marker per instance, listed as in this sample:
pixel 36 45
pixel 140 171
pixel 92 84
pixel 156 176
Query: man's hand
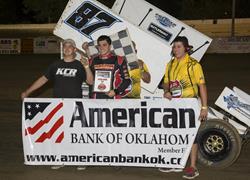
pixel 24 95
pixel 111 93
pixel 85 61
pixel 85 46
pixel 36 85
pixel 203 115
pixel 140 63
pixel 168 95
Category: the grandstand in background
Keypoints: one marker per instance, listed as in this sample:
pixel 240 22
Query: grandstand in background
pixel 39 38
pixel 212 28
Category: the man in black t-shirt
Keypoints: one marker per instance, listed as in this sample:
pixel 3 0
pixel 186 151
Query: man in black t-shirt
pixel 67 75
pixel 108 62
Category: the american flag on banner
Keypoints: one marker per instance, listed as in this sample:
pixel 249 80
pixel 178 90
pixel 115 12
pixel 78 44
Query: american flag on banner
pixel 43 121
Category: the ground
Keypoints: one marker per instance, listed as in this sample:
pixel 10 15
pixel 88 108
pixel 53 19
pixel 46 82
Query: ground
pixel 18 71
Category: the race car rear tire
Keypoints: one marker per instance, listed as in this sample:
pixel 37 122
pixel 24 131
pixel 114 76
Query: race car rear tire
pixel 219 144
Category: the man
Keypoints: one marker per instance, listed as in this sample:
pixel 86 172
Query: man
pixel 67 75
pixel 184 79
pixel 137 75
pixel 106 61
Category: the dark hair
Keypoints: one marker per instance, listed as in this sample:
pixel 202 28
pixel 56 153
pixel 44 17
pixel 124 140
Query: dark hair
pixel 184 41
pixel 104 38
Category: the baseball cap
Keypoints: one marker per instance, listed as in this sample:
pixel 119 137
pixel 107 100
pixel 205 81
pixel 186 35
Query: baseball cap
pixel 70 41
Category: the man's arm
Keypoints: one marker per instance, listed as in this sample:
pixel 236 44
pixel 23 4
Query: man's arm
pixel 126 81
pixel 146 77
pixel 90 77
pixel 36 85
pixel 167 94
pixel 165 87
pixel 200 80
pixel 89 74
pixel 203 96
pixel 85 61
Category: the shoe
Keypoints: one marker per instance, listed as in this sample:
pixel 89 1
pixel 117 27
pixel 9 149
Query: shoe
pixel 81 168
pixel 57 167
pixel 168 170
pixel 190 173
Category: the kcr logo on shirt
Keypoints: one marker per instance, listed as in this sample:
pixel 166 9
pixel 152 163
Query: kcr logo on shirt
pixel 66 72
pixel 89 18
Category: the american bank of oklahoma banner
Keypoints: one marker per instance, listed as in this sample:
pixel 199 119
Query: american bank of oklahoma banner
pixel 109 133
pixel 86 20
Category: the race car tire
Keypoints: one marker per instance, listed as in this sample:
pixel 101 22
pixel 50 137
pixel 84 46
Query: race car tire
pixel 219 144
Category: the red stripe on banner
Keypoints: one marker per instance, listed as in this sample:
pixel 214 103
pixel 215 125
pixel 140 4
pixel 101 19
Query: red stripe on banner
pixel 50 133
pixel 60 138
pixel 33 130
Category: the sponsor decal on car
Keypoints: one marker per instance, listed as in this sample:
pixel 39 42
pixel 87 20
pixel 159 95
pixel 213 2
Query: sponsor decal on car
pixel 165 21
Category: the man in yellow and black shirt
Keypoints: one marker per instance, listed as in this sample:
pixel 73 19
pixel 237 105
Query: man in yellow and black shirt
pixel 137 75
pixel 184 78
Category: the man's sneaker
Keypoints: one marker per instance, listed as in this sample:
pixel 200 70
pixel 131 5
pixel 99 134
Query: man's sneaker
pixel 57 167
pixel 81 168
pixel 190 173
pixel 168 170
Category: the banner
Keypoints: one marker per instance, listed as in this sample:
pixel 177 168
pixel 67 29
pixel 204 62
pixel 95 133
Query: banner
pixel 85 20
pixel 161 25
pixel 109 133
pixel 46 45
pixel 10 46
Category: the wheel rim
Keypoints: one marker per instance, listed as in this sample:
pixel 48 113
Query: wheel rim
pixel 214 144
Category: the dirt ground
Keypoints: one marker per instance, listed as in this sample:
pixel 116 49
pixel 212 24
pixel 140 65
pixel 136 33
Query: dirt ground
pixel 18 71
